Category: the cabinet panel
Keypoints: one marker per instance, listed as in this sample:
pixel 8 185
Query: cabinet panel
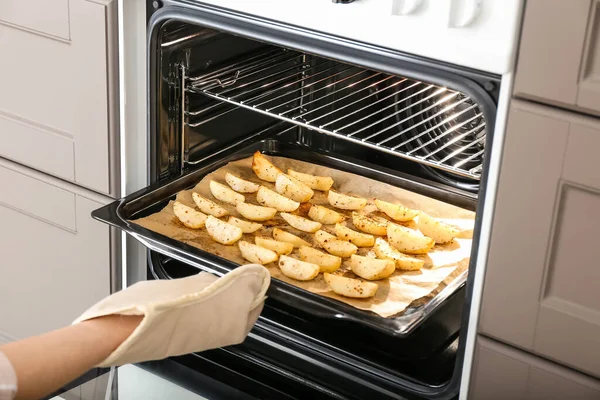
pixel 54 265
pixel 58 108
pixel 48 17
pixel 541 282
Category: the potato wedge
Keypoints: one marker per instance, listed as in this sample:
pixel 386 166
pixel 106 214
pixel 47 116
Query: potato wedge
pixel 408 240
pixel 241 185
pixel 324 215
pixel 257 254
pixel 322 183
pixel 349 287
pixel 396 211
pixel 283 236
pixel 269 198
pixel 245 226
pixel 345 202
pixel 299 270
pixel 301 223
pixel 225 194
pixel 374 226
pixel 403 262
pixel 275 245
pixel 371 268
pixel 326 262
pixel 255 213
pixel 188 216
pixel 335 246
pixel 208 206
pixel 264 169
pixel 435 229
pixel 293 188
pixel 356 238
pixel 222 232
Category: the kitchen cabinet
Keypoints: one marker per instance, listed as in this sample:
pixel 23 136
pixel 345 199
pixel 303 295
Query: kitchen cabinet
pixel 59 102
pixel 56 260
pixel 542 275
pixel 502 372
pixel 559 54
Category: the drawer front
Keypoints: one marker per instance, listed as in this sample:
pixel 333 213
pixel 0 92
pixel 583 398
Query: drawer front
pixel 55 259
pixel 59 100
pixel 541 280
pixel 501 372
pixel 559 55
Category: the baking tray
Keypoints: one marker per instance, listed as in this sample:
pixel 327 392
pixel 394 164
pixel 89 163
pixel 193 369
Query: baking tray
pixel 155 197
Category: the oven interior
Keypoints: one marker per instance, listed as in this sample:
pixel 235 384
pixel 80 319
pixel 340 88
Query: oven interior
pixel 214 91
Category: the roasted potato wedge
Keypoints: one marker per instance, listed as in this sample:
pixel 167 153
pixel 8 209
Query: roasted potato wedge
pixel 356 238
pixel 345 202
pixel 374 226
pixel 245 226
pixel 188 216
pixel 408 240
pixel 396 212
pixel 208 206
pixel 264 169
pixel 275 245
pixel 225 194
pixel 371 268
pixel 269 198
pixel 241 185
pixel 299 270
pixel 221 231
pixel 322 183
pixel 435 229
pixel 301 223
pixel 349 287
pixel 324 215
pixel 257 254
pixel 335 246
pixel 255 213
pixel 293 188
pixel 326 262
pixel 403 262
pixel 283 236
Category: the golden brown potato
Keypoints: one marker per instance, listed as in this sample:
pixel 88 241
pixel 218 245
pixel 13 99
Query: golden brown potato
pixel 296 269
pixel 225 194
pixel 300 223
pixel 293 188
pixel 221 231
pixel 269 198
pixel 371 268
pixel 283 236
pixel 335 246
pixel 403 261
pixel 408 240
pixel 188 216
pixel 322 183
pixel 245 226
pixel 435 229
pixel 275 245
pixel 241 185
pixel 356 238
pixel 257 254
pixel 396 211
pixel 345 202
pixel 208 206
pixel 326 262
pixel 371 225
pixel 264 169
pixel 324 215
pixel 255 213
pixel 349 287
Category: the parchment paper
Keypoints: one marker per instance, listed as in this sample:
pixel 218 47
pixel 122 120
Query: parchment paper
pixel 397 292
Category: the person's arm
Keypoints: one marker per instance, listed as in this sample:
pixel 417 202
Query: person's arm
pixel 45 363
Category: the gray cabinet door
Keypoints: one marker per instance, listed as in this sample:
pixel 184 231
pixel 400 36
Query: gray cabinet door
pixel 502 373
pixel 55 258
pixel 559 54
pixel 59 89
pixel 541 283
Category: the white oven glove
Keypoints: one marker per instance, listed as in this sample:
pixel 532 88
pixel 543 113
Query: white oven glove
pixel 186 315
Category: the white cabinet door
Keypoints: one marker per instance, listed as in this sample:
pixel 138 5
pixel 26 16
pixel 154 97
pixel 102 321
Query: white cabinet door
pixel 59 89
pixel 541 284
pixel 55 259
pixel 502 373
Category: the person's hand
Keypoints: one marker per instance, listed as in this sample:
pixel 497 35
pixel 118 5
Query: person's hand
pixel 185 315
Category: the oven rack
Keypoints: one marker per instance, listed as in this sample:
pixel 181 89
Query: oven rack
pixel 415 120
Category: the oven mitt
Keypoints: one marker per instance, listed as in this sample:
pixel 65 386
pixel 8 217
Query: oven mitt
pixel 185 315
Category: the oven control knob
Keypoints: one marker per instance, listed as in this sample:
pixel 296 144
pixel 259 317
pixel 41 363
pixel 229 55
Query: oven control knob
pixel 464 12
pixel 405 7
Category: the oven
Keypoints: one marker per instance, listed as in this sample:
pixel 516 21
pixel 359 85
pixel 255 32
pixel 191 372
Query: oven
pixel 224 84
